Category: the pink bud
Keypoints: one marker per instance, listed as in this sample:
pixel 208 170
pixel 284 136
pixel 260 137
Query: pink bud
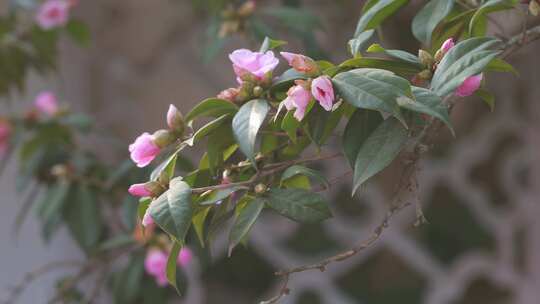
pixel 469 86
pixel 247 63
pixel 447 45
pixel 155 265
pixel 46 102
pixel 297 98
pixel 147 220
pixel 139 190
pixel 53 13
pixel 323 91
pixel 143 150
pixel 175 120
pixel 184 257
pixel 300 62
pixel 229 94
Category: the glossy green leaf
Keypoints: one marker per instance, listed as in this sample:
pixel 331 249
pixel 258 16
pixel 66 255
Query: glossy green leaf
pixel 219 195
pixel 378 151
pixel 246 124
pixel 245 218
pixel 55 200
pixel 211 107
pixel 467 58
pixel 398 67
pixel 373 89
pixel 270 44
pixel 171 265
pixel 428 103
pixel 356 44
pixel 361 124
pixel 489 7
pixel 199 219
pixel 179 201
pixel 377 13
pixel 208 128
pixel 301 170
pixel 83 217
pixel 299 205
pixel 290 125
pixel 487 97
pixel 427 19
pixel 397 54
pixel 499 65
pixel 168 166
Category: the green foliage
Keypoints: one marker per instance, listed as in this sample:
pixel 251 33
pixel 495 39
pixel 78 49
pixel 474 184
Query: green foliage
pixel 297 204
pixel 429 17
pixel 246 124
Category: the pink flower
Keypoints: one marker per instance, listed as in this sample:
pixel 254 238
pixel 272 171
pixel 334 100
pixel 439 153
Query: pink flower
pixel 5 131
pixel 53 13
pixel 144 150
pixel 300 62
pixel 447 45
pixel 184 257
pixel 155 265
pixel 257 64
pixel 469 86
pixel 139 190
pixel 323 91
pixel 47 103
pixel 297 98
pixel 147 220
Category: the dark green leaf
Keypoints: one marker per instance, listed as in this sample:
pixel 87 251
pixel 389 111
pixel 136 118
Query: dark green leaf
pixel 245 219
pixel 179 200
pixel 212 107
pixel 499 65
pixel 219 195
pixel 373 89
pixel 83 218
pixel 356 44
pixel 299 205
pixel 489 7
pixel 167 166
pixel 246 124
pixel 466 59
pixel 171 265
pixel 378 151
pixel 427 19
pixel 208 128
pixel 377 13
pixel 398 67
pixel 360 126
pixel 397 54
pixel 487 97
pixel 428 103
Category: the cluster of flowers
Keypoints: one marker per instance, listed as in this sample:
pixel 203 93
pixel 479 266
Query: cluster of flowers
pixel 45 103
pixel 253 69
pixel 54 13
pixel 155 263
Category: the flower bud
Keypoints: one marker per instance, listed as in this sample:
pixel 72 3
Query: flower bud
pixel 425 58
pixel 175 120
pixel 534 8
pixel 163 138
pixel 260 188
pixel 301 63
pixel 257 91
pixel 229 94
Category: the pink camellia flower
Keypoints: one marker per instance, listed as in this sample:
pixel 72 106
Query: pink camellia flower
pixel 323 91
pixel 447 45
pixel 297 98
pixel 184 257
pixel 53 13
pixel 469 86
pixel 147 220
pixel 139 190
pixel 5 132
pixel 257 64
pixel 144 150
pixel 155 265
pixel 47 103
pixel 300 62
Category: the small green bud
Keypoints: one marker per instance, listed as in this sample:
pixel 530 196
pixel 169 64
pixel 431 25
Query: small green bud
pixel 425 58
pixel 163 138
pixel 260 188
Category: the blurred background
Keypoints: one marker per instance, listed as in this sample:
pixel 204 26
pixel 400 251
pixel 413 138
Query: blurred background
pixel 480 191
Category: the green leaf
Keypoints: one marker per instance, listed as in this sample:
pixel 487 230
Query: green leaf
pixel 373 89
pixel 127 283
pixel 179 200
pixel 270 44
pixel 467 58
pixel 167 166
pixel 301 170
pixel 499 65
pixel 489 7
pixel 171 265
pixel 377 13
pixel 172 210
pixel 398 67
pixel 428 103
pixel 246 217
pixel 55 201
pixel 290 125
pixel 321 124
pixel 246 124
pixel 218 195
pixel 79 32
pixel 397 54
pixel 208 128
pixel 427 19
pixel 378 151
pixel 356 44
pixel 211 107
pixel 299 205
pixel 83 218
pixel 144 203
pixel 198 223
pixel 487 97
pixel 360 126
